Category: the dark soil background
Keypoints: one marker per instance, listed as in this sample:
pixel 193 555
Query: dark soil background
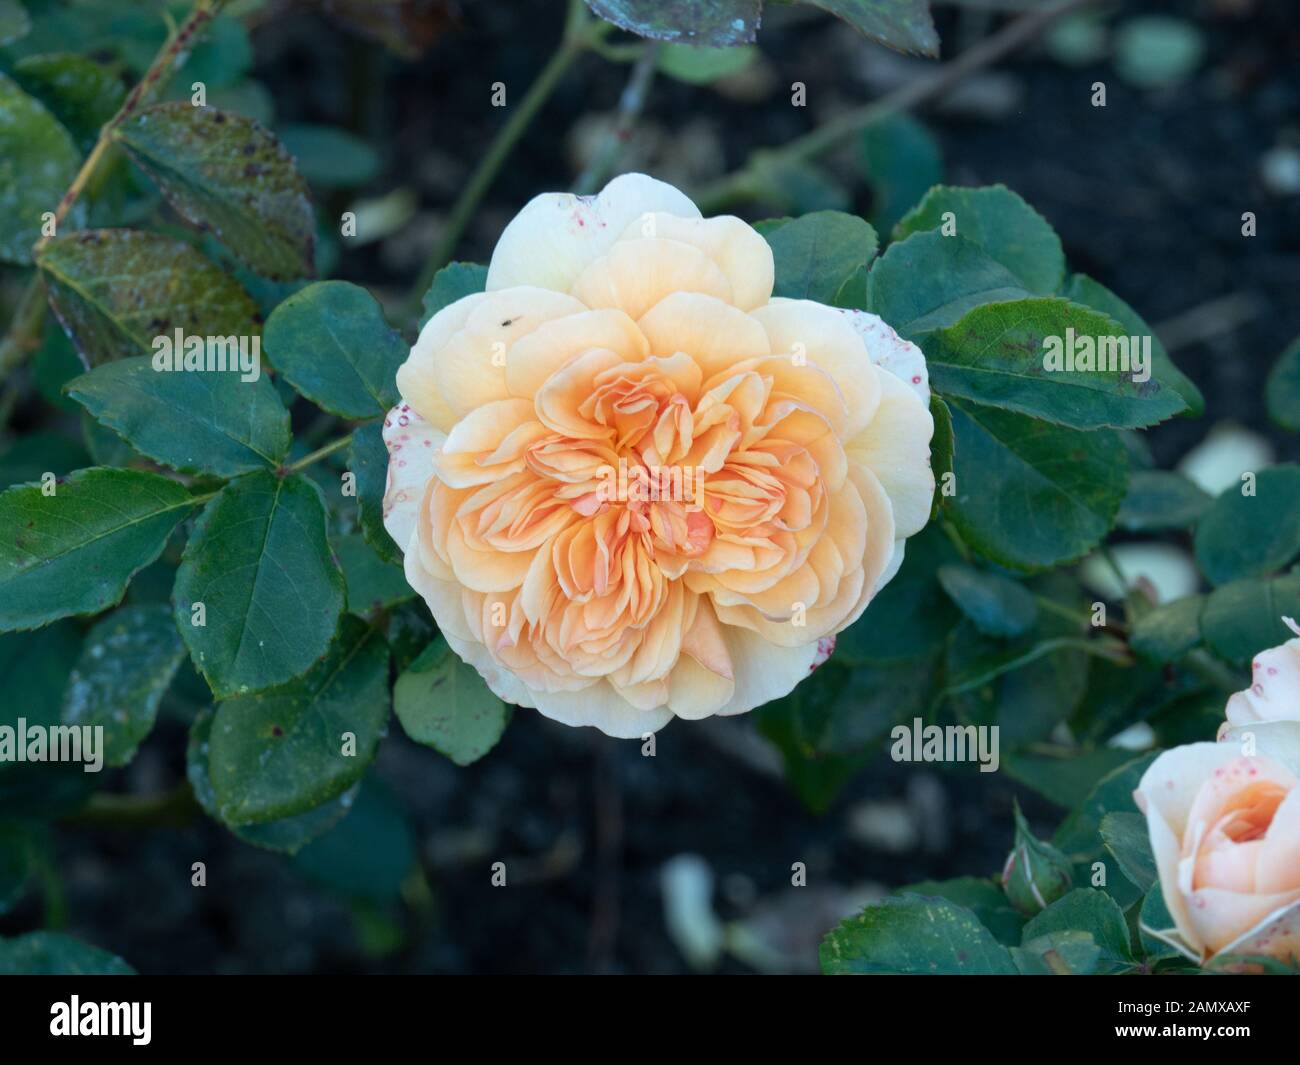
pixel 1147 194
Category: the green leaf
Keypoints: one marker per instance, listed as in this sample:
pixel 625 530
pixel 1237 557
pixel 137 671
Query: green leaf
pixel 1068 781
pixel 982 897
pixel 1030 494
pixel 116 290
pixel 81 93
pixel 942 447
pixel 1283 389
pixel 1155 51
pixel 331 342
pixel 33 455
pixel 198 421
pixel 373 584
pixel 1242 618
pixel 1069 953
pixel 38 161
pixel 287 835
pixel 852 715
pixel 453 282
pixel 904 25
pixel 75 551
pixel 105 446
pixel 1083 289
pixel 1000 222
pixel 259 562
pixel 14 21
pixel 1080 835
pixel 288 750
pixel 329 157
pixel 958 277
pixel 1091 911
pixel 715 23
pixel 1158 501
pixel 974 661
pixel 697 65
pixel 226 173
pixel 444 704
pixel 909 616
pixel 368 460
pixel 1169 631
pixel 369 855
pixel 900 160
pixel 1251 535
pixel 126 664
pixel 821 256
pixel 797 187
pixel 36 665
pixel 54 954
pixel 1126 837
pixel 914 934
pixel 796 723
pixel 1156 928
pixel 997 605
pixel 998 354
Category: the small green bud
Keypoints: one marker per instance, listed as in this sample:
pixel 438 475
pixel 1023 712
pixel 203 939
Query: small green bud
pixel 1036 873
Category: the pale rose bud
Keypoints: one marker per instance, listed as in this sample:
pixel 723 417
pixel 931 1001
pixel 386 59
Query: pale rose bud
pixel 1274 692
pixel 1036 874
pixel 630 484
pixel 1225 832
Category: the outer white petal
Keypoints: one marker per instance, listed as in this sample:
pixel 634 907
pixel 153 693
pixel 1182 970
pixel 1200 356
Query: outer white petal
pixel 891 352
pixel 415 377
pixel 551 241
pixel 1274 692
pixel 411 443
pixel 895 446
pixel 763 671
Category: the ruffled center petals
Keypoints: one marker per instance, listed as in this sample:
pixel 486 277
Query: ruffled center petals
pixel 712 332
pixel 532 359
pixel 489 443
pixel 469 370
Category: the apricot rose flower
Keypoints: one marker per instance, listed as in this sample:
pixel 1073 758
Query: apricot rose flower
pixel 1224 821
pixel 630 484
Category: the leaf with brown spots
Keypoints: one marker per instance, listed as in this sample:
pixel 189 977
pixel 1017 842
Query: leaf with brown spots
pixel 115 290
pixel 228 174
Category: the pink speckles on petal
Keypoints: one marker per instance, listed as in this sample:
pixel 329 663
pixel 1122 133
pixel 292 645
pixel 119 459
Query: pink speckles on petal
pixel 825 647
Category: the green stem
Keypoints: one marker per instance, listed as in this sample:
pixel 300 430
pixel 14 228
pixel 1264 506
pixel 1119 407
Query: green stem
pixel 749 182
pixel 177 45
pixel 319 453
pixel 630 105
pixel 579 33
pixel 1215 672
pixel 24 333
pixel 167 809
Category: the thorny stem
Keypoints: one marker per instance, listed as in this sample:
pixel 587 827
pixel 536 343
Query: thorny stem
pixel 630 106
pixel 23 334
pixel 748 182
pixel 320 453
pixel 580 31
